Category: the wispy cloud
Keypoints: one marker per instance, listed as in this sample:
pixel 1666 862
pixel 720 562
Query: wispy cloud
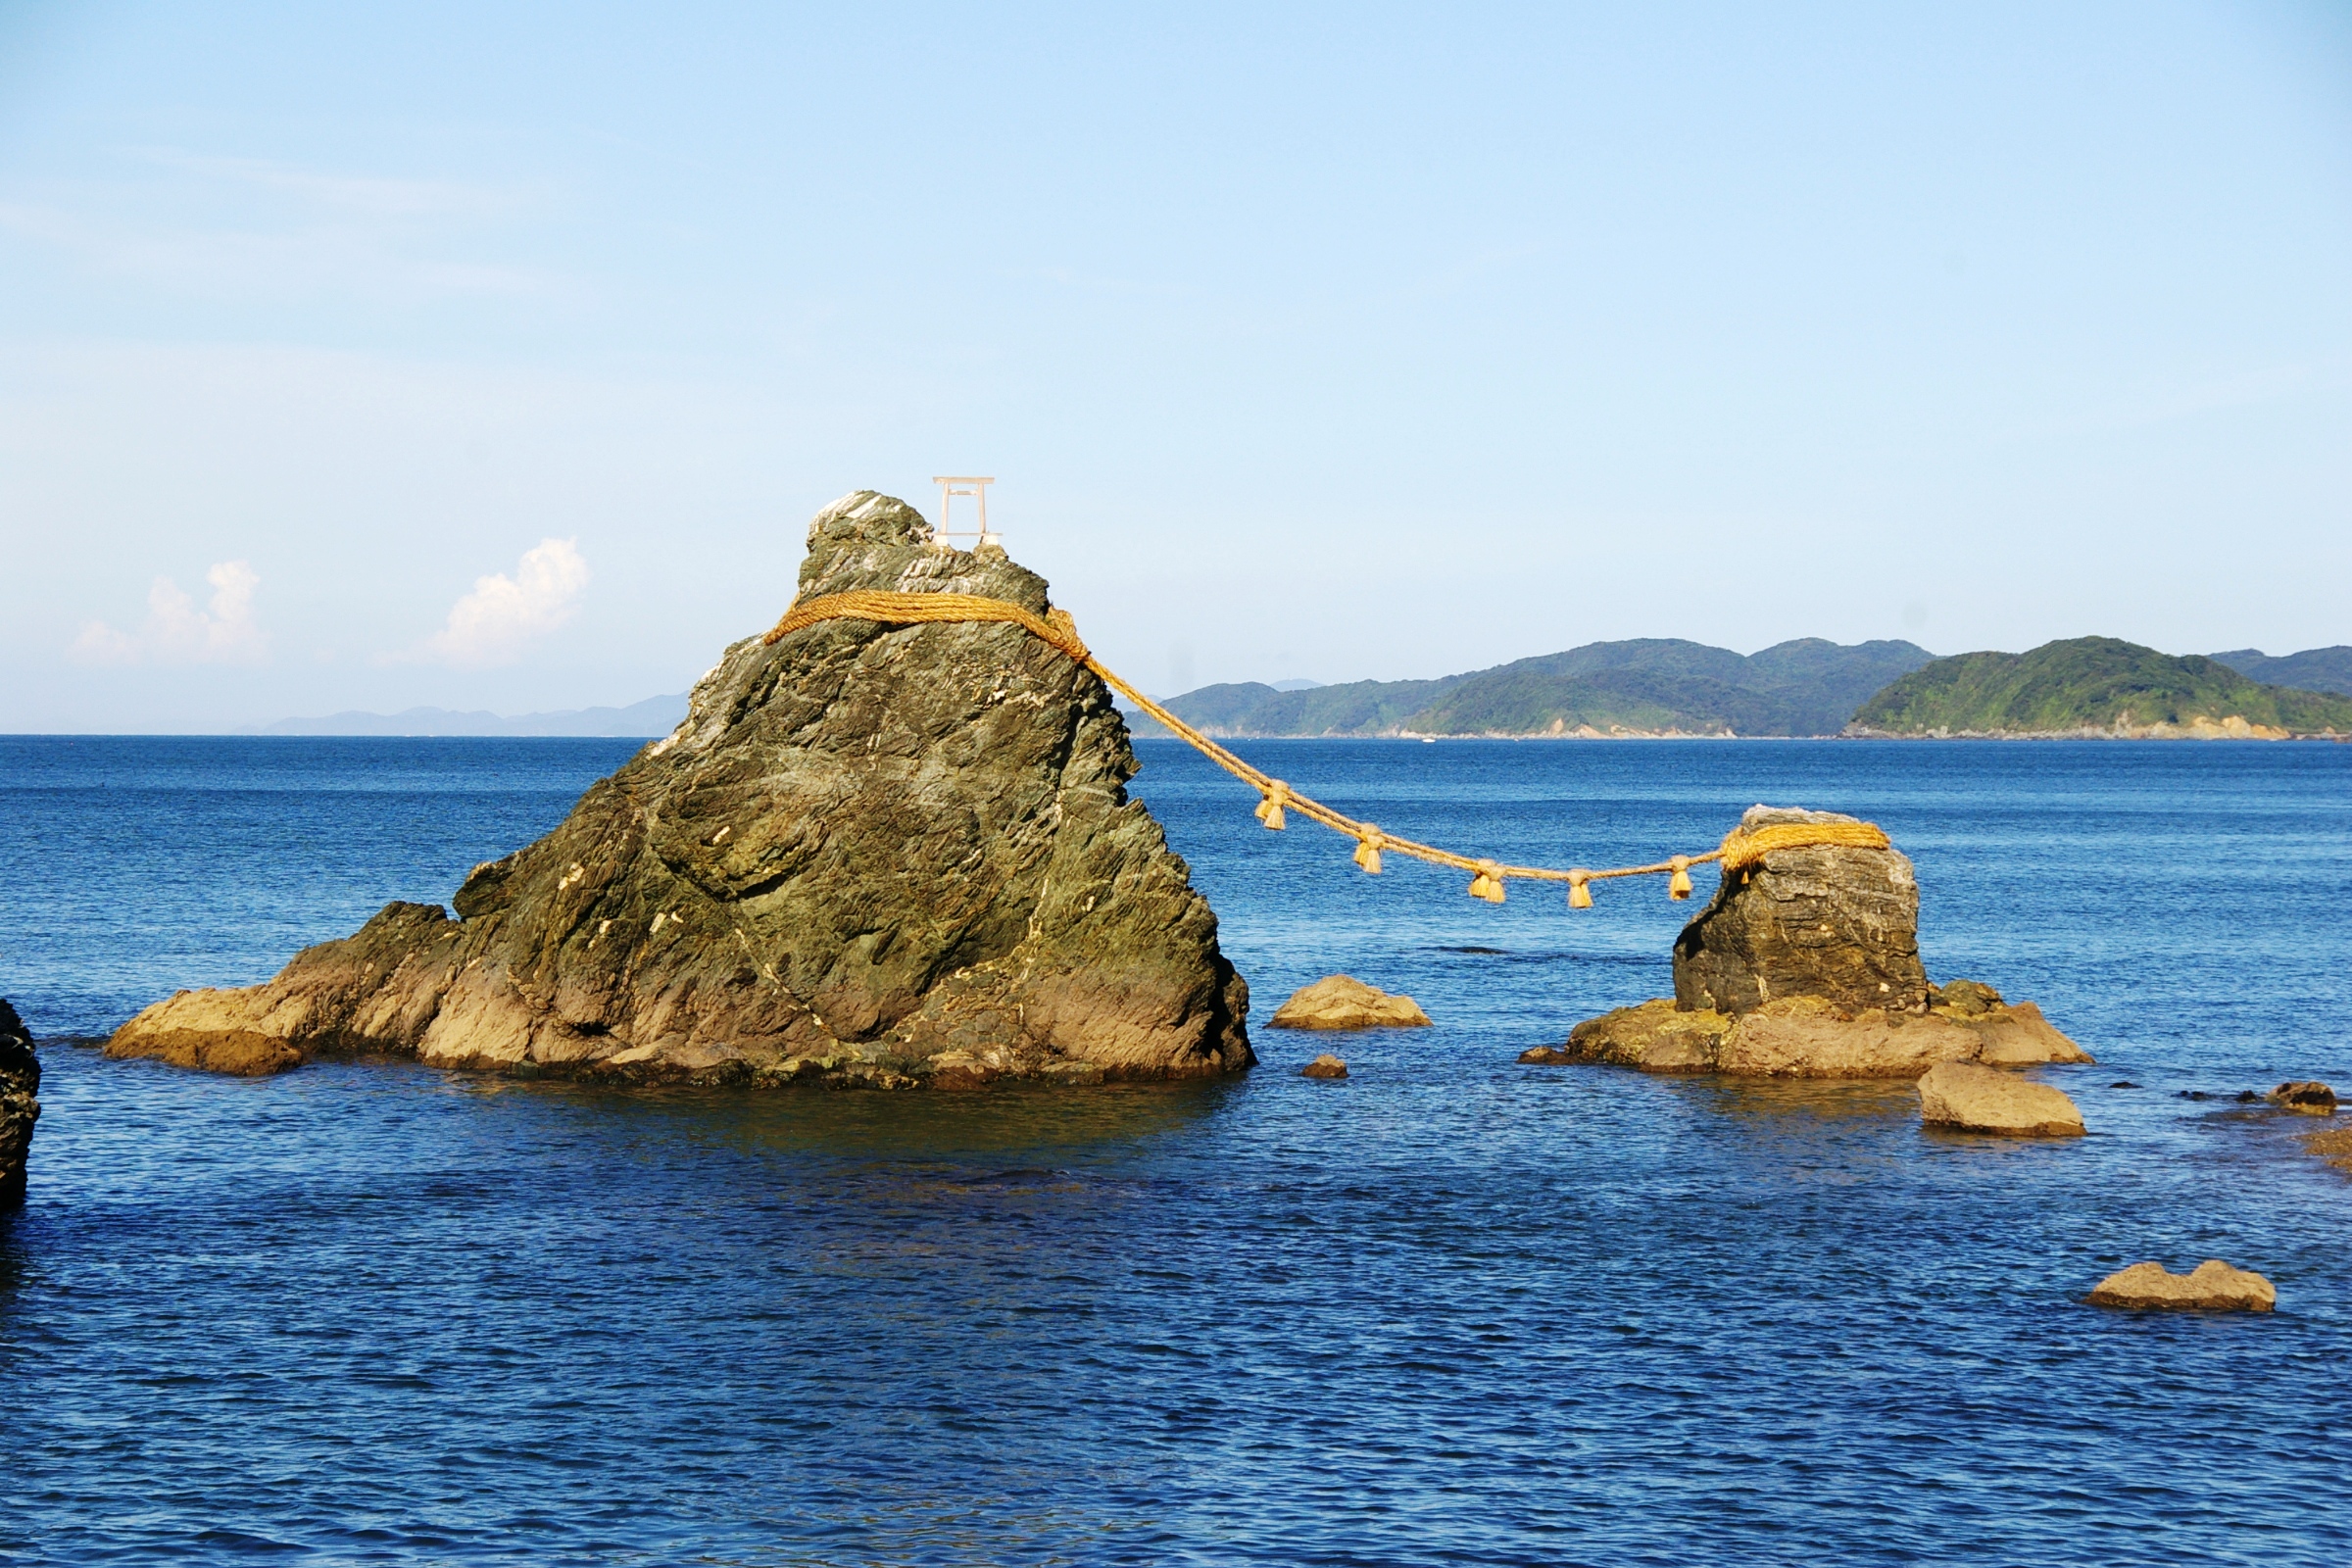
pixel 176 632
pixel 494 623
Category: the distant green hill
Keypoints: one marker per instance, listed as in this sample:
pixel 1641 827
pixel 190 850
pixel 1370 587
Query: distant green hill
pixel 1647 686
pixel 2092 685
pixel 2315 669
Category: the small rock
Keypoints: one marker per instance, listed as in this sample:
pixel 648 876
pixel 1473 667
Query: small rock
pixel 2312 1099
pixel 2213 1287
pixel 1546 1056
pixel 2122 1083
pixel 1342 1001
pixel 1982 1100
pixel 2193 1094
pixel 2247 1097
pixel 1326 1065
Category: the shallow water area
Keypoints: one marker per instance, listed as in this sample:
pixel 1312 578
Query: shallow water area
pixel 1448 1309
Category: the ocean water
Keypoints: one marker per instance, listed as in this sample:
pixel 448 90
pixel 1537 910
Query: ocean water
pixel 1450 1310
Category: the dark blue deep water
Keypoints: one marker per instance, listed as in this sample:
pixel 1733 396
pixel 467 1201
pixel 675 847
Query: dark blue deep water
pixel 1450 1310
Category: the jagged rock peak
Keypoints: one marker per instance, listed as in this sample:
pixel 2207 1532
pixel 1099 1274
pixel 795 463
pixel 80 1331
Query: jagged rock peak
pixel 872 854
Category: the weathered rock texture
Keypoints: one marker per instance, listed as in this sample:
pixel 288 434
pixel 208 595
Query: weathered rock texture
pixel 2212 1287
pixel 1808 964
pixel 1326 1065
pixel 1831 921
pixel 1980 1100
pixel 19 1107
pixel 892 855
pixel 1342 1001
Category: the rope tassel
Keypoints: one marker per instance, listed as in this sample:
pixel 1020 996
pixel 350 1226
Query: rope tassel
pixel 1367 850
pixel 1269 810
pixel 1580 897
pixel 1488 884
pixel 1680 887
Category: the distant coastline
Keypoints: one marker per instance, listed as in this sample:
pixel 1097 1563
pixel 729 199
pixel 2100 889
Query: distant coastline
pixel 648 719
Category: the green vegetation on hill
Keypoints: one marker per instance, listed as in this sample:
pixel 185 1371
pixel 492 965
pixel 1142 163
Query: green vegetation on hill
pixel 2313 669
pixel 2088 683
pixel 1649 685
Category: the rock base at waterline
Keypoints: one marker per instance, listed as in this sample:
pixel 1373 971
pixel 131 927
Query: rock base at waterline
pixel 1965 1097
pixel 1806 1037
pixel 1342 1002
pixel 2212 1287
pixel 872 854
pixel 19 1103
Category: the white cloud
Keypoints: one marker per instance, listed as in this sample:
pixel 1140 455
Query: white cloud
pixel 176 632
pixel 491 624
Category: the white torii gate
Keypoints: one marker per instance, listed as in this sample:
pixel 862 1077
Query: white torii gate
pixel 949 487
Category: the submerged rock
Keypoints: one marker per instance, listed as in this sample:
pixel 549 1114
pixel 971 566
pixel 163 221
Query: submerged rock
pixel 2212 1287
pixel 1326 1065
pixel 1807 963
pixel 870 854
pixel 19 1107
pixel 1342 1001
pixel 1980 1100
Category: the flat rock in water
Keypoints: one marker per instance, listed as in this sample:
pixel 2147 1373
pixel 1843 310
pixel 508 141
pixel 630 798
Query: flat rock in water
pixel 870 854
pixel 1983 1100
pixel 1834 921
pixel 1326 1065
pixel 1808 1037
pixel 2213 1286
pixel 20 1104
pixel 1342 1001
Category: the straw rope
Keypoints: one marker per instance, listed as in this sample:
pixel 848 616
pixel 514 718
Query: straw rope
pixel 1739 850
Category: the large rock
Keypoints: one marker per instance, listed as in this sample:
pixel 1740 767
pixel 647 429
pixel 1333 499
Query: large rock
pixel 1807 963
pixel 870 854
pixel 2212 1287
pixel 20 1104
pixel 1342 1001
pixel 1835 921
pixel 1807 1037
pixel 1963 1095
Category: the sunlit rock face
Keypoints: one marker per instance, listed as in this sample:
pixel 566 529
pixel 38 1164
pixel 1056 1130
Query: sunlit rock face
pixel 892 855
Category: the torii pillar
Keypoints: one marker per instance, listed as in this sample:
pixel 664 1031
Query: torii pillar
pixel 976 486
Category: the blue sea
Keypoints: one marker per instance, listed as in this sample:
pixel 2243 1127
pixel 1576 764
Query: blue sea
pixel 1450 1310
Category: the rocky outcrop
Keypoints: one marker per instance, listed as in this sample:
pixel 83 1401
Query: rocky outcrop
pixel 1807 963
pixel 892 855
pixel 1326 1065
pixel 1963 1095
pixel 2212 1287
pixel 1832 920
pixel 20 1104
pixel 1342 1001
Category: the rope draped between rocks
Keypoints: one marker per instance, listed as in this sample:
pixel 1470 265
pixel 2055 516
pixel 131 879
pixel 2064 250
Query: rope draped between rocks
pixel 1739 850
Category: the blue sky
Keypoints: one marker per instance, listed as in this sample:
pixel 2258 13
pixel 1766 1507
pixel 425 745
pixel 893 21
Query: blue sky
pixel 496 356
